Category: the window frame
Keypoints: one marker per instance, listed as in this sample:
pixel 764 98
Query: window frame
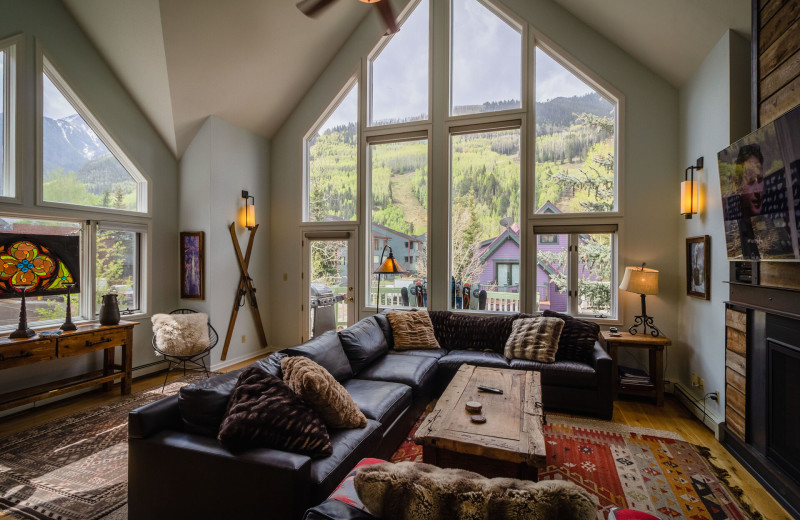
pixel 11 169
pixel 45 64
pixel 352 82
pixel 366 72
pixel 605 89
pixel 385 135
pixel 508 120
pixel 88 307
pixel 573 232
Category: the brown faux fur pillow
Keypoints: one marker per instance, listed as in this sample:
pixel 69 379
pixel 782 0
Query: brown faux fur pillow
pixel 534 339
pixel 264 413
pixel 317 387
pixel 412 330
pixel 416 491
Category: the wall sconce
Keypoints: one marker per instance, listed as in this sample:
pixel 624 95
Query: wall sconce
pixel 249 209
pixel 689 190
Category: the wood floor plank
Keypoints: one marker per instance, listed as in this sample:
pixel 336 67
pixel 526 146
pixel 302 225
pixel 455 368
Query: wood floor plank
pixel 632 411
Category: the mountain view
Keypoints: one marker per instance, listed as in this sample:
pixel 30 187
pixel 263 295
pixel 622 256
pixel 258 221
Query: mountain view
pixel 79 168
pixel 574 169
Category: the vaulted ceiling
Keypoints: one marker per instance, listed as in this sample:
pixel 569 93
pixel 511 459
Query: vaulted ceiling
pixel 251 61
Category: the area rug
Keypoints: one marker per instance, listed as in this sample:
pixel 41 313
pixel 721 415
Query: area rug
pixel 74 468
pixel 636 468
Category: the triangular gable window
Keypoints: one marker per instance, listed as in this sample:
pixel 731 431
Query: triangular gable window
pixel 81 164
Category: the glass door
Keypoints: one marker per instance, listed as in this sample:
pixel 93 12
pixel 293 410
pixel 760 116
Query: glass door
pixel 329 277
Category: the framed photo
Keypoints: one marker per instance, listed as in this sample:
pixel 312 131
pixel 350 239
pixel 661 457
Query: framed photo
pixel 192 269
pixel 698 267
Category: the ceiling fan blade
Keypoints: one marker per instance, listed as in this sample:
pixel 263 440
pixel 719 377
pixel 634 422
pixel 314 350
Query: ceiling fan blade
pixel 313 7
pixel 385 9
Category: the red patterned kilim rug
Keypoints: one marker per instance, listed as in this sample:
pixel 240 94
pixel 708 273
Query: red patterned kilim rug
pixel 636 468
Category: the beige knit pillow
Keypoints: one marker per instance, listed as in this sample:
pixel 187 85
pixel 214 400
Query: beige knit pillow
pixel 181 334
pixel 317 387
pixel 412 330
pixel 534 339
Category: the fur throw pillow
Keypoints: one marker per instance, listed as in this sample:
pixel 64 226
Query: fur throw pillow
pixel 412 490
pixel 577 338
pixel 317 387
pixel 264 413
pixel 412 330
pixel 181 334
pixel 534 339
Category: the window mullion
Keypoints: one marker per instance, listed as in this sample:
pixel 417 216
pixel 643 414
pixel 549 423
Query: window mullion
pixel 572 306
pixel 88 269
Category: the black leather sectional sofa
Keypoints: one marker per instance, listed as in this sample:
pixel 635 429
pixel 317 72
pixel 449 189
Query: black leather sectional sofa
pixel 177 469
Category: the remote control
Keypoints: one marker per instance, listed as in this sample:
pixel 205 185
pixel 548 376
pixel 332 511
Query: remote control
pixel 490 389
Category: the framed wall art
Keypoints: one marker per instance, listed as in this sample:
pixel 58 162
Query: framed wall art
pixel 698 267
pixel 192 268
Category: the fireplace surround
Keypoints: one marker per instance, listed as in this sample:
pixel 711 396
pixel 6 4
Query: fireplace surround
pixel 762 413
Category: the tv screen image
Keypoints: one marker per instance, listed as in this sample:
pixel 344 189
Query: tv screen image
pixel 761 192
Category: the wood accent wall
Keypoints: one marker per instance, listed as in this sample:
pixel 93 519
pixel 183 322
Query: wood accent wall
pixel 776 51
pixel 735 371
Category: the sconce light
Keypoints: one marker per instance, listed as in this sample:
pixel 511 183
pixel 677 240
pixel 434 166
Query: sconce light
pixel 249 209
pixel 689 190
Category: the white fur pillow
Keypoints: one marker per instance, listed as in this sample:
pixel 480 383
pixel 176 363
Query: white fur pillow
pixel 181 334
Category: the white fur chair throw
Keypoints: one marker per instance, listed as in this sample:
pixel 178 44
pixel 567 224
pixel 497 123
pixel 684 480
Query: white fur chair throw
pixel 412 490
pixel 181 334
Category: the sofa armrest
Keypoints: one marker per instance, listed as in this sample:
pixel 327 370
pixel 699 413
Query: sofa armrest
pixel 600 357
pixel 605 384
pixel 182 475
pixel 154 417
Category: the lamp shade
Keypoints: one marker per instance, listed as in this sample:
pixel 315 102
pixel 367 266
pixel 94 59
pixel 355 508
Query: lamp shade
pixel 688 197
pixel 250 215
pixel 390 266
pixel 640 280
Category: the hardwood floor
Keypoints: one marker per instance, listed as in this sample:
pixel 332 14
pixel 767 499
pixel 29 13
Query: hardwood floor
pixel 672 417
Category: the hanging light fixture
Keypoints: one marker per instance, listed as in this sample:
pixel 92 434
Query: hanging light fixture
pixel 689 198
pixel 249 209
pixel 388 266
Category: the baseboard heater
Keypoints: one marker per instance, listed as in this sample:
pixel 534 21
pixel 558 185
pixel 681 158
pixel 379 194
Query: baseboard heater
pixel 711 419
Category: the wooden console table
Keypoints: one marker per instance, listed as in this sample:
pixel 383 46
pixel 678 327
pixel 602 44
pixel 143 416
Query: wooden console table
pixel 655 347
pixel 88 338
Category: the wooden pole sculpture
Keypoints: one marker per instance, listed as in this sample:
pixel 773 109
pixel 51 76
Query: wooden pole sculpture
pixel 245 288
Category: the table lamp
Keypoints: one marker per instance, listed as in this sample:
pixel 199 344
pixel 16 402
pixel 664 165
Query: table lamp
pixel 642 281
pixel 388 266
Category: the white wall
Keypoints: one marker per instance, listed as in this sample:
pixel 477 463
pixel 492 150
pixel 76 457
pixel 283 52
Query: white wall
pixel 714 111
pixel 650 158
pixel 221 161
pixel 90 77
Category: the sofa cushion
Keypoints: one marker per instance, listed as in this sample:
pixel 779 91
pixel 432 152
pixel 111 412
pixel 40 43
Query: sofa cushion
pixel 325 350
pixel 379 400
pixel 560 373
pixel 349 446
pixel 314 385
pixel 415 371
pixel 455 358
pixel 203 404
pixel 577 338
pixel 412 330
pixel 484 333
pixel 534 339
pixel 440 320
pixel 416 490
pixel 435 354
pixel 264 413
pixel 386 327
pixel 363 343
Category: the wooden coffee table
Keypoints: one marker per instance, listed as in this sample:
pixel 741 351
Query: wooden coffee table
pixel 511 441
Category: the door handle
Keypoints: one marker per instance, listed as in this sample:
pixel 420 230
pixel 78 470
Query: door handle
pixel 350 299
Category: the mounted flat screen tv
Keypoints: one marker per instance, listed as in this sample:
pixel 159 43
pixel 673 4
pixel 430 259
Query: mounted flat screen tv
pixel 760 186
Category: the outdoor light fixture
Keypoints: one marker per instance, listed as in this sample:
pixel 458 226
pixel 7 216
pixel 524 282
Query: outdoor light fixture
pixel 689 190
pixel 249 209
pixel 643 281
pixel 388 266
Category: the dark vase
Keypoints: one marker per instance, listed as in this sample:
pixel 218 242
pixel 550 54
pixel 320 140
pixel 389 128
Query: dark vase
pixel 109 310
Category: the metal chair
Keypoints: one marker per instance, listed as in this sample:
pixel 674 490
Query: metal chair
pixel 198 359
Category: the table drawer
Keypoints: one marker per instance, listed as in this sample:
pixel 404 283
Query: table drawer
pixel 83 343
pixel 29 352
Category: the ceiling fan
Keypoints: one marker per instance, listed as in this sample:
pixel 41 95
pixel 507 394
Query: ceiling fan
pixel 312 8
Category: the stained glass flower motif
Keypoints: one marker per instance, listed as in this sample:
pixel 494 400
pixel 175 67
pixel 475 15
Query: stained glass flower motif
pixel 25 264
